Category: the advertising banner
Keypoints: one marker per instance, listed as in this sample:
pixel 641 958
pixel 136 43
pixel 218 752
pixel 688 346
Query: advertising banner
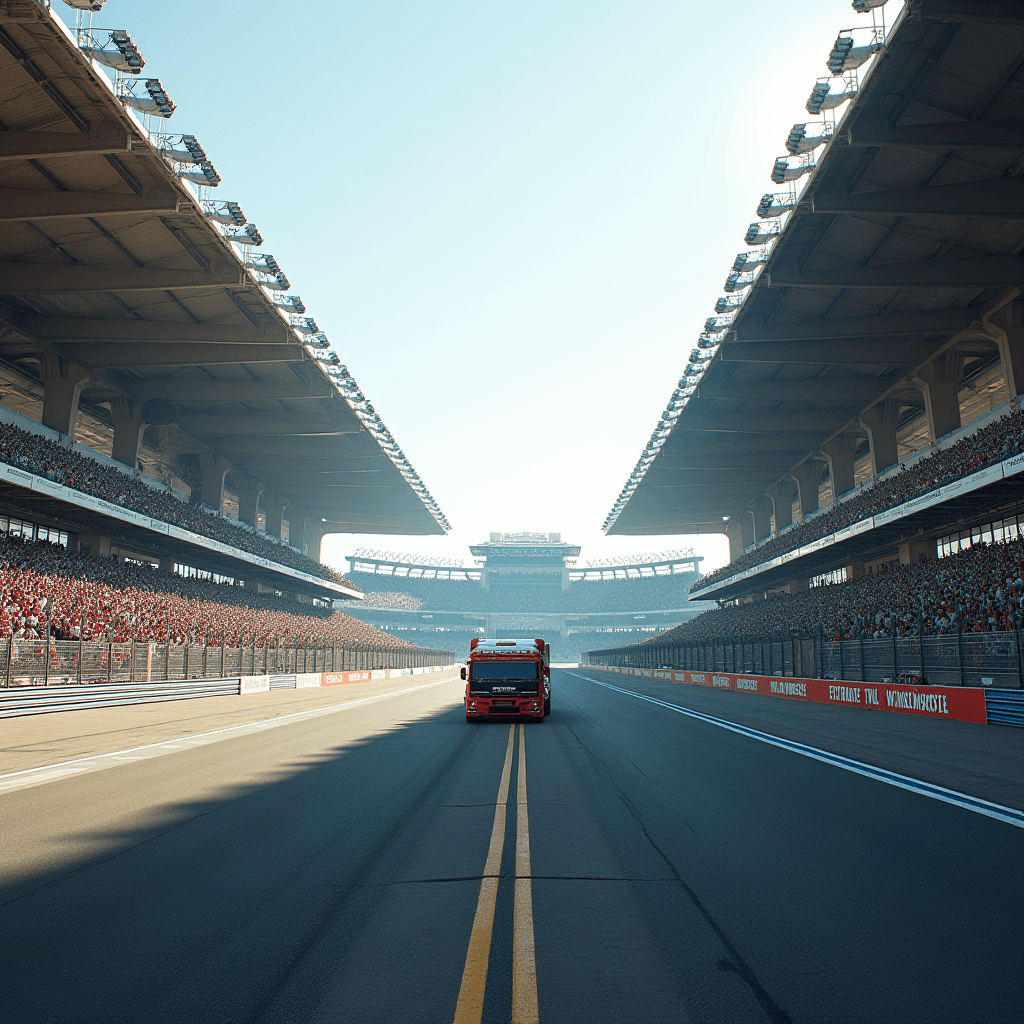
pixel 254 684
pixel 305 680
pixel 962 703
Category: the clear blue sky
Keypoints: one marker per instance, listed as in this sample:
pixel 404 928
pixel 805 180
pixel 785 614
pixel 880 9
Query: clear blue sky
pixel 511 219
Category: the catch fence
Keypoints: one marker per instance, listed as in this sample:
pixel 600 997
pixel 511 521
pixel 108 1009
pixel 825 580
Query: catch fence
pixel 956 659
pixel 60 662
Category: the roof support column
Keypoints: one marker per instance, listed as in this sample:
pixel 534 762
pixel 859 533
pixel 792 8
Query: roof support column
pixel 214 468
pixel 808 482
pixel 274 506
pixel 1007 327
pixel 880 422
pixel 296 525
pixel 62 387
pixel 940 383
pixel 761 512
pixel 840 453
pixel 249 499
pixel 314 533
pixel 128 428
pixel 781 494
pixel 734 531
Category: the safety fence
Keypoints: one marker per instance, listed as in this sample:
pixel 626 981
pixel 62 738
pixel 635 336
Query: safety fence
pixel 957 659
pixel 63 662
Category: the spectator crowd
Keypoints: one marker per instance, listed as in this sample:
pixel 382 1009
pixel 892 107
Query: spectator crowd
pixel 995 442
pixel 43 457
pixel 101 599
pixel 977 590
pixel 647 593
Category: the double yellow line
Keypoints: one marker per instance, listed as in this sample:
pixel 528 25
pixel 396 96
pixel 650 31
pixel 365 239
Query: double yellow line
pixel 470 1007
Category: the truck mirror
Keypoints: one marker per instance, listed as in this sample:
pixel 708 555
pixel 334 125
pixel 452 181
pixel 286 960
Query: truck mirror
pixel 547 671
pixel 462 673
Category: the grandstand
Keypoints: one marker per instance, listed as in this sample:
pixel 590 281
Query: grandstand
pixel 524 584
pixel 852 423
pixel 176 435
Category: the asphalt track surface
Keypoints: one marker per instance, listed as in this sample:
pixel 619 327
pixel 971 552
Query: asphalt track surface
pixel 332 869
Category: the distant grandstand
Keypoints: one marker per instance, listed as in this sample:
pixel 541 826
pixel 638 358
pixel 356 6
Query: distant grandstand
pixel 524 585
pixel 850 419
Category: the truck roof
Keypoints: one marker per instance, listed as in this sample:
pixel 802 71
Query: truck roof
pixel 506 646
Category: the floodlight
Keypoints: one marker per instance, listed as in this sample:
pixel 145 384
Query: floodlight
pixel 123 57
pixel 747 261
pixel 159 103
pixel 290 302
pixel 724 305
pixel 317 341
pixel 736 282
pixel 249 235
pixel 225 212
pixel 759 234
pixel 204 174
pixel 822 98
pixel 775 205
pixel 863 6
pixel 715 324
pixel 844 56
pixel 263 263
pixel 304 325
pixel 86 5
pixel 782 172
pixel 278 283
pixel 799 142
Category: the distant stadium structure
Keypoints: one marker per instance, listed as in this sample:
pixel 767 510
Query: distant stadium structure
pixel 524 584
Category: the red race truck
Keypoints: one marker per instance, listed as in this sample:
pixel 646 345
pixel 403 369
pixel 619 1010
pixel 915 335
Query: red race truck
pixel 507 678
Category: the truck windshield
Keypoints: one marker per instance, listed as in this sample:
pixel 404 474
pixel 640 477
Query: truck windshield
pixel 491 678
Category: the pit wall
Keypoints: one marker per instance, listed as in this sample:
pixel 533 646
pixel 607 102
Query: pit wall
pixel 962 703
pixel 306 680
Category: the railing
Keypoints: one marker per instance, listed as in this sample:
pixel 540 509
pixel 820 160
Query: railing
pixel 60 662
pixel 956 659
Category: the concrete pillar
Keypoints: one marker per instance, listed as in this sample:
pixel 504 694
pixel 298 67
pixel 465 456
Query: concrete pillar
pixel 128 428
pixel 880 422
pixel 249 492
pixel 914 551
pixel 314 533
pixel 734 532
pixel 747 529
pixel 214 468
pixel 840 453
pixel 296 525
pixel 166 564
pixel 62 387
pixel 254 585
pixel 808 481
pixel 761 513
pixel 1006 325
pixel 854 570
pixel 781 494
pixel 939 381
pixel 274 506
pixel 797 586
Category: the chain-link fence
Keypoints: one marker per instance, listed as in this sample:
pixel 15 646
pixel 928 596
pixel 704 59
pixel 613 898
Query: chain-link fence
pixel 56 662
pixel 957 659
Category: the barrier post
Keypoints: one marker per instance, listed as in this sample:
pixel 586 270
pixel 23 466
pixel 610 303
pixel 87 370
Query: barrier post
pixel 10 657
pixel 960 648
pixel 862 655
pixel 222 654
pixel 1020 667
pixel 81 655
pixel 920 643
pixel 895 663
pixel 184 660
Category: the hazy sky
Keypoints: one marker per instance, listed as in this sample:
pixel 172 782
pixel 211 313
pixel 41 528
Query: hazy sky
pixel 511 219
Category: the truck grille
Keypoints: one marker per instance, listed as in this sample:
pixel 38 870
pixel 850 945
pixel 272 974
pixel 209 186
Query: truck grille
pixel 503 709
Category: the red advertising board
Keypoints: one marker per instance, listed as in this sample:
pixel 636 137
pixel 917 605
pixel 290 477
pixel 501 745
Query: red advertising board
pixel 963 703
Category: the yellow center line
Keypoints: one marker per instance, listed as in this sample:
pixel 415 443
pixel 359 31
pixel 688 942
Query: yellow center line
pixel 524 961
pixel 470 1007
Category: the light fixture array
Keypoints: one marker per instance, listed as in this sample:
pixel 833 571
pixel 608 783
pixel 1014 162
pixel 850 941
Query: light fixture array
pixel 115 49
pixel 772 212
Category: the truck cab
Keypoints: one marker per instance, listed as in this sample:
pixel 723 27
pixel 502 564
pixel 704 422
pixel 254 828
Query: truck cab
pixel 507 679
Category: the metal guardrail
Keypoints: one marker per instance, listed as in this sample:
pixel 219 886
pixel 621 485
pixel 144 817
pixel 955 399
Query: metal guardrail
pixel 1005 707
pixel 34 700
pixel 49 662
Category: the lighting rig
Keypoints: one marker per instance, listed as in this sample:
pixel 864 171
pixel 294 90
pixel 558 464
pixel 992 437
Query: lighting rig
pixel 112 47
pixel 843 61
pixel 249 235
pixel 291 303
pixel 271 275
pixel 225 212
pixel 156 101
pixel 188 159
pixel 304 324
pixel 93 6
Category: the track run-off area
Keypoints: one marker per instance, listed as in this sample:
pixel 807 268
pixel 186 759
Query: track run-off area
pixel 369 856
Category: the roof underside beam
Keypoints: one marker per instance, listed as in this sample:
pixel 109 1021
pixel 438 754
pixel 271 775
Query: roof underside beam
pixel 1003 133
pixel 124 354
pixel 208 392
pixel 991 12
pixel 33 145
pixel 982 272
pixel 851 352
pixel 785 422
pixel 66 328
pixel 995 197
pixel 927 321
pixel 36 278
pixel 780 461
pixel 18 204
pixel 847 389
pixel 247 425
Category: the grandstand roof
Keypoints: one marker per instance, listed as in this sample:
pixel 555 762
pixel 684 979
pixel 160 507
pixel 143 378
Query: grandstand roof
pixel 908 233
pixel 110 261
